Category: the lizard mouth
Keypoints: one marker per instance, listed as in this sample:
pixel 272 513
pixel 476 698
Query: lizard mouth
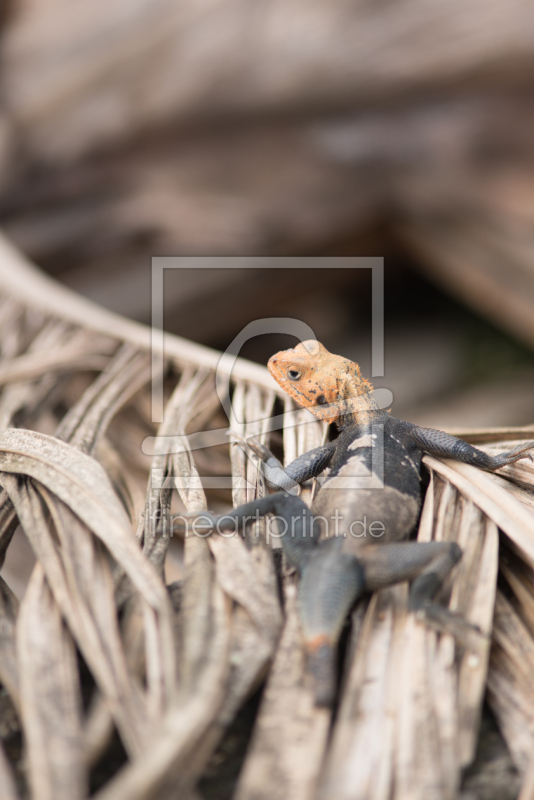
pixel 272 365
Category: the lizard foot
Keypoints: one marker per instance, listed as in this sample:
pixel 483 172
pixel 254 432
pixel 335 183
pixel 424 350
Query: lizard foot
pixel 511 456
pixel 259 449
pixel 444 621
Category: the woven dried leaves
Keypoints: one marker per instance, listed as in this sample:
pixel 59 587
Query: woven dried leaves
pixel 170 667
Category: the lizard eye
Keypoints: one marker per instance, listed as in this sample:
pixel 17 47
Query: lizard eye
pixel 293 374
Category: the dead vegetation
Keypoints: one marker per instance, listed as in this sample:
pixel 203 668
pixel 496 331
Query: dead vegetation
pixel 138 665
pixel 101 644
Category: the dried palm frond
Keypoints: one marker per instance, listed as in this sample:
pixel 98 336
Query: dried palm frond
pixel 101 644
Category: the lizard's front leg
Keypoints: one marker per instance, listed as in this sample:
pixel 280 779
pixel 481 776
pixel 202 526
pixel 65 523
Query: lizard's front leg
pixel 304 468
pixel 444 445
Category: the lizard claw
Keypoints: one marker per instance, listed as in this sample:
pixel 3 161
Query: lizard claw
pixel 259 449
pixel 237 438
pixel 449 622
pixel 521 451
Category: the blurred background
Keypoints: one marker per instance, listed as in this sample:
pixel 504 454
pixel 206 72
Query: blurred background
pixel 140 128
pixel 236 127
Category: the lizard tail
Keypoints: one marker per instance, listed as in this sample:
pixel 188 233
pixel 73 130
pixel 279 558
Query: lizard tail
pixel 330 584
pixel 321 662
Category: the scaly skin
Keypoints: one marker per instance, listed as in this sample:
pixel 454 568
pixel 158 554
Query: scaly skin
pixel 375 475
pixel 330 386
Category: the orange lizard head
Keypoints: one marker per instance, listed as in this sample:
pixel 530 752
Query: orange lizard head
pixel 319 380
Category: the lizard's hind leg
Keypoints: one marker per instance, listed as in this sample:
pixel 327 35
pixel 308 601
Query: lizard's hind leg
pixel 426 565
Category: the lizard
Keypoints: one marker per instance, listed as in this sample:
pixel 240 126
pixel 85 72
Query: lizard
pixel 374 483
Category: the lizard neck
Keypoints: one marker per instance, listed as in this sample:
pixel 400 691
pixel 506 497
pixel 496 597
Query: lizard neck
pixel 354 402
pixel 357 409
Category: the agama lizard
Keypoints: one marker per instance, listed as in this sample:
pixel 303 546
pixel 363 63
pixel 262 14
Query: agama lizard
pixel 353 539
